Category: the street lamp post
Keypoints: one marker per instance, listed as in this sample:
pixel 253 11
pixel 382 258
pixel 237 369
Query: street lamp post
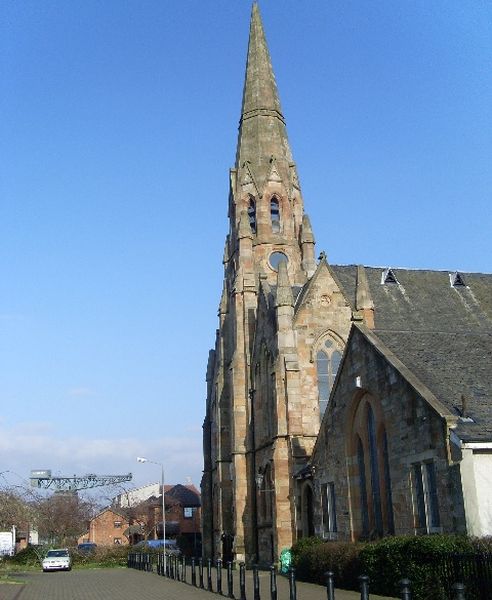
pixel 142 459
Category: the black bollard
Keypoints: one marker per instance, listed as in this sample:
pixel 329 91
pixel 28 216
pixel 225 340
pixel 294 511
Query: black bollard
pixel 364 587
pixel 230 581
pixel 242 581
pixel 178 568
pixel 405 592
pixel 219 576
pixel 330 586
pixel 209 574
pixel 256 583
pixel 459 591
pixel 292 584
pixel 200 572
pixel 193 571
pixel 273 583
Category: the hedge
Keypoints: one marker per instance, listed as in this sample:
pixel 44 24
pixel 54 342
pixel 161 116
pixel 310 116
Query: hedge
pixel 386 561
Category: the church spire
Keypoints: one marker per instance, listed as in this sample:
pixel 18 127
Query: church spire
pixel 262 132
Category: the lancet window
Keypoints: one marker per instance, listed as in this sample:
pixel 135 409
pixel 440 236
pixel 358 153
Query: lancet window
pixel 372 493
pixel 252 214
pixel 275 214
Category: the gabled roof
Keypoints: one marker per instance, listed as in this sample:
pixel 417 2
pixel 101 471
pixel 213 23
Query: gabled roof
pixel 303 293
pixel 185 495
pixel 439 335
pixel 117 512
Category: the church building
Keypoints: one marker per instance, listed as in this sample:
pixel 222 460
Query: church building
pixel 347 402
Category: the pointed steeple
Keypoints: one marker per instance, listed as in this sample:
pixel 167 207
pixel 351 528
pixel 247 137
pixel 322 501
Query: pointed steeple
pixel 260 89
pixel 262 132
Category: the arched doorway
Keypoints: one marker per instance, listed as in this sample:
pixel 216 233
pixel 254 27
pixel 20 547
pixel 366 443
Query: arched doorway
pixel 307 510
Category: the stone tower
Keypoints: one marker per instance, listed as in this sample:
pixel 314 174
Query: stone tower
pixel 262 414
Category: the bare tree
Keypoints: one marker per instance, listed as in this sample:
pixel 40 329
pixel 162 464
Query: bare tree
pixel 15 509
pixel 63 517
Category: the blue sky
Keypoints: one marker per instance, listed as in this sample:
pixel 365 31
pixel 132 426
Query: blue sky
pixel 119 124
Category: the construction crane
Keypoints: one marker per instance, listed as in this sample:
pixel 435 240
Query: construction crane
pixel 60 483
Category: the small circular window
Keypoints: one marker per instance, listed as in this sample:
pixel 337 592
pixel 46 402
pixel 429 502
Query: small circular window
pixel 276 258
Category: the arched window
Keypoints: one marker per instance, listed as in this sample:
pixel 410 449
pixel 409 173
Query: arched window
pixel 268 492
pixel 362 487
pixel 372 488
pixel 328 360
pixel 387 486
pixel 252 214
pixel 275 215
pixel 375 486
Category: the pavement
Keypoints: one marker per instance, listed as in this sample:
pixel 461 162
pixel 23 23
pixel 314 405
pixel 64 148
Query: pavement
pixel 129 584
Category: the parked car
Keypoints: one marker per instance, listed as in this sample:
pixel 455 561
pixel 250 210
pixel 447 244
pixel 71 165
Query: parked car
pixel 171 546
pixel 57 559
pixel 87 547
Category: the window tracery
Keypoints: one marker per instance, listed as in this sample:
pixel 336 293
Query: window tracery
pixel 328 358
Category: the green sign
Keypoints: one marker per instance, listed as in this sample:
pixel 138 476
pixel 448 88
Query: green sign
pixel 285 560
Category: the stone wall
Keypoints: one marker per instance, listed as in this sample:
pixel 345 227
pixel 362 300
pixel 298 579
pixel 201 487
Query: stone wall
pixel 415 435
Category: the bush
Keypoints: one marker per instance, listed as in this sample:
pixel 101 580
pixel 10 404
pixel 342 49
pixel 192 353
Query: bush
pixel 312 558
pixel 102 556
pixel 386 562
pixel 109 556
pixel 394 558
pixel 28 557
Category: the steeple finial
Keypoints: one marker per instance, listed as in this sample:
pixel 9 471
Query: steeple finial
pixel 262 132
pixel 260 89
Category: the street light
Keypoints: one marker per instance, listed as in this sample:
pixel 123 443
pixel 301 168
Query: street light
pixel 142 459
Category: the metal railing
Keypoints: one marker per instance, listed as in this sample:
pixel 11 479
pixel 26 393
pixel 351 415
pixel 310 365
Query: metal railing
pixel 193 572
pixel 474 570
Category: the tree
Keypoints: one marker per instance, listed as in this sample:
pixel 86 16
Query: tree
pixel 15 509
pixel 63 517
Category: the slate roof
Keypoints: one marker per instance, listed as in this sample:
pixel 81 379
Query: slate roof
pixel 443 334
pixel 451 365
pixel 424 300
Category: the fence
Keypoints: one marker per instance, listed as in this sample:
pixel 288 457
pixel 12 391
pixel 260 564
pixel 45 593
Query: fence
pixel 199 573
pixel 474 570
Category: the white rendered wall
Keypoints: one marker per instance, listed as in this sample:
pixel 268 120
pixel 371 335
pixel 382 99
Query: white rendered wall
pixel 483 478
pixel 476 481
pixel 137 495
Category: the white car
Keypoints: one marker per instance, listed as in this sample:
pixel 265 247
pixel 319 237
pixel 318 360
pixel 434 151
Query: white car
pixel 57 560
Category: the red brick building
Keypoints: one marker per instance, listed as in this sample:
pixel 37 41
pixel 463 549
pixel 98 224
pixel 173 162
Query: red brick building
pixel 143 521
pixel 108 528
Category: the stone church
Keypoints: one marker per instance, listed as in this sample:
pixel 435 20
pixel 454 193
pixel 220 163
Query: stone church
pixel 347 402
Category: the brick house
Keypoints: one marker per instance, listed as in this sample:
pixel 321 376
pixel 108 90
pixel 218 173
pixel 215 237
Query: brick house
pixel 183 517
pixel 108 528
